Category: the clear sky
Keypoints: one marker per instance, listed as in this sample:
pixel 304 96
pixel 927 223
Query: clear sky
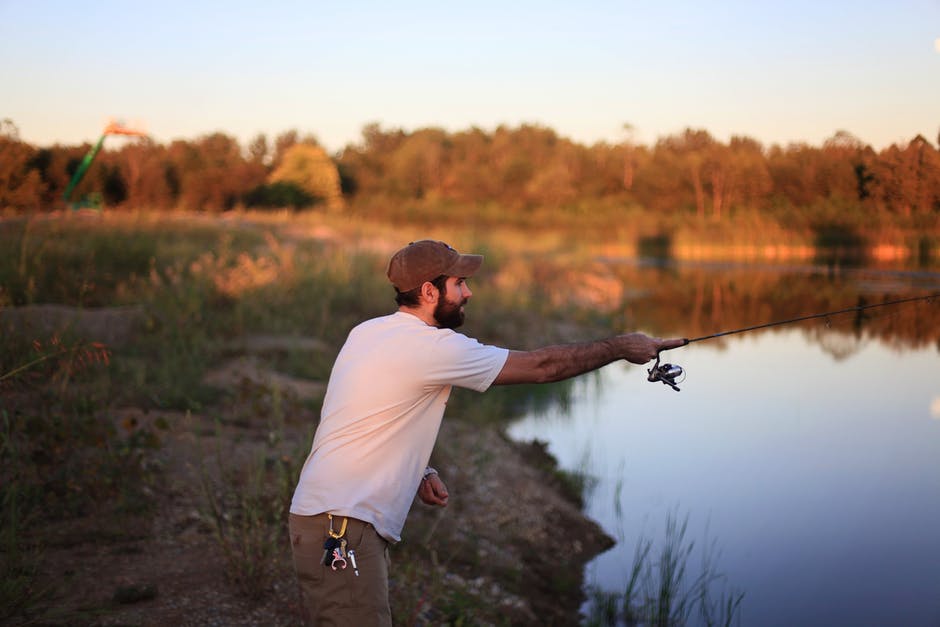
pixel 775 71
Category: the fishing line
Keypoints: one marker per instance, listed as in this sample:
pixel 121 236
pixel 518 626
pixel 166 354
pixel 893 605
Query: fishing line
pixel 669 374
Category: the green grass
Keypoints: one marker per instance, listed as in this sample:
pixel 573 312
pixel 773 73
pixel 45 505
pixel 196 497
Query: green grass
pixel 247 517
pixel 662 592
pixel 21 594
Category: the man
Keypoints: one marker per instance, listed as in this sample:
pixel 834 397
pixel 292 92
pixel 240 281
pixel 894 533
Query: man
pixel 380 419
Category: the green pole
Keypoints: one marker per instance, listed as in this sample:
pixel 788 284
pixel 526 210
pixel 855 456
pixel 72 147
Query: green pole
pixel 82 168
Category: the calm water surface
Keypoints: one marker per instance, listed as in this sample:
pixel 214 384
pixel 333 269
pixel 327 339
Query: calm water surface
pixel 809 458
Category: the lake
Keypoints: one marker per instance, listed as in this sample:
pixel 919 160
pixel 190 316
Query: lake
pixel 804 458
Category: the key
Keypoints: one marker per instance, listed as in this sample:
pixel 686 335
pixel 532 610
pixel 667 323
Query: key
pixel 352 558
pixel 328 547
pixel 339 562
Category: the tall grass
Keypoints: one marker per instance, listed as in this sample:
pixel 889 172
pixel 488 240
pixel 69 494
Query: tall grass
pixel 246 495
pixel 22 597
pixel 62 455
pixel 247 518
pixel 661 591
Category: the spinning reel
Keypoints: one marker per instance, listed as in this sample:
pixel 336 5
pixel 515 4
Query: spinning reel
pixel 667 373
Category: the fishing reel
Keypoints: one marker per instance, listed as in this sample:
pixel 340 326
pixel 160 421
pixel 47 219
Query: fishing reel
pixel 667 373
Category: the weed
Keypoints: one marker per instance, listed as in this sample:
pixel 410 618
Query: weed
pixel 63 360
pixel 246 521
pixel 658 592
pixel 22 596
pixel 245 514
pixel 60 456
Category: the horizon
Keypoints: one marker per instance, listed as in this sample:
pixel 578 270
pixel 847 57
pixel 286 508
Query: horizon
pixel 780 75
pixel 117 140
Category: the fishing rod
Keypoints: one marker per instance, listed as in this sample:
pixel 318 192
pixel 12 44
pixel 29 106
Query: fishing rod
pixel 669 373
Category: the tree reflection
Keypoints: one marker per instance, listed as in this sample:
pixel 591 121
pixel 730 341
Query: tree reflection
pixel 693 300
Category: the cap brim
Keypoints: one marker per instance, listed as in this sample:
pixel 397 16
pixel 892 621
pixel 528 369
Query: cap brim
pixel 466 265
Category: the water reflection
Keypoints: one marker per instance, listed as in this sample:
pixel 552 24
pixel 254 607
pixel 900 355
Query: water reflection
pixel 811 454
pixel 693 300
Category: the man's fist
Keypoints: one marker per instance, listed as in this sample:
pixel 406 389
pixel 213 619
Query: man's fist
pixel 432 491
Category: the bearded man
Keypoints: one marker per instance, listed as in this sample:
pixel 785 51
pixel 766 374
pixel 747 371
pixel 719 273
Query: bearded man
pixel 381 414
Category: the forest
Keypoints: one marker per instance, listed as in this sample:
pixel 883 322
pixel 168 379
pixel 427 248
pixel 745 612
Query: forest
pixel 520 170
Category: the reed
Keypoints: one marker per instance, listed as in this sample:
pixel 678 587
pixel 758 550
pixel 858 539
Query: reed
pixel 661 592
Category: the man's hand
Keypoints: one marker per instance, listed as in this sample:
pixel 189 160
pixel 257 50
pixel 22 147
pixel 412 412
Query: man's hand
pixel 432 491
pixel 639 348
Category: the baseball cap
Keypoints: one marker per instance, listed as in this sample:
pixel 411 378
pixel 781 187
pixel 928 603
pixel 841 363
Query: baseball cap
pixel 426 260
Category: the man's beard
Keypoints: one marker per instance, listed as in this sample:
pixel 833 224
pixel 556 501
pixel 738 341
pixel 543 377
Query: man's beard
pixel 448 314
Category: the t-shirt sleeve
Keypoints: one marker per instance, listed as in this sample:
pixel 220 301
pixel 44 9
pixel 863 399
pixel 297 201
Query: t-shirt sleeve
pixel 462 361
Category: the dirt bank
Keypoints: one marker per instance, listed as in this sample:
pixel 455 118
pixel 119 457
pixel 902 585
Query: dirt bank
pixel 511 546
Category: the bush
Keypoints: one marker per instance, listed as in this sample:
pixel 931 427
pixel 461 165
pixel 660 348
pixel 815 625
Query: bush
pixel 279 195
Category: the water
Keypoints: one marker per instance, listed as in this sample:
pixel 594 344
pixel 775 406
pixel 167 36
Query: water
pixel 809 458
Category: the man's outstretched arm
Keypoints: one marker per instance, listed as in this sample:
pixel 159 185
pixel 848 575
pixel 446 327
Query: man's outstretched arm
pixel 555 363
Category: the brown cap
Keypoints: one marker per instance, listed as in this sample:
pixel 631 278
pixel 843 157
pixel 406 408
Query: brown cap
pixel 426 260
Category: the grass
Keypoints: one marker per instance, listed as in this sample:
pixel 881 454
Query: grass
pixel 247 518
pixel 61 456
pixel 22 596
pixel 661 591
pixel 246 491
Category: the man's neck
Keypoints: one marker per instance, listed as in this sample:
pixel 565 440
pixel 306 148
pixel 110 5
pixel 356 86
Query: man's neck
pixel 423 314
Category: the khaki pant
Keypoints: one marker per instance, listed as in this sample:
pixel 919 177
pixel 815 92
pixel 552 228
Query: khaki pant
pixel 340 597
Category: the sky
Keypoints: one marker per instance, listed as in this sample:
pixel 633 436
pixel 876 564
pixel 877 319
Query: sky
pixel 778 72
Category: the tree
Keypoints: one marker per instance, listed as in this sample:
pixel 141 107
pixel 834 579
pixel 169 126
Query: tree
pixel 311 169
pixel 21 185
pixel 683 163
pixel 209 172
pixel 368 162
pixel 416 166
pixel 147 175
pixel 258 149
pixel 907 181
pixel 629 164
pixel 747 180
pixel 469 176
pixel 841 154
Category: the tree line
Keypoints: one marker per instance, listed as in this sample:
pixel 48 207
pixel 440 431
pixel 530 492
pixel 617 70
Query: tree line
pixel 519 169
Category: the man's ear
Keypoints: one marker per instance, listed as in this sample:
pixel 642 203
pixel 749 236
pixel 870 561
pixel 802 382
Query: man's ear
pixel 429 293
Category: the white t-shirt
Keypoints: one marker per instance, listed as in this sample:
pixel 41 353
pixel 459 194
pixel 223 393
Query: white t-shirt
pixel 381 415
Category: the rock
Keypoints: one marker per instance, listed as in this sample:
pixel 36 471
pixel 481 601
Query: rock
pixel 233 373
pixel 113 326
pixel 135 593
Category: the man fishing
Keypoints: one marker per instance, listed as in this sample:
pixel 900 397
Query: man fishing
pixel 380 419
